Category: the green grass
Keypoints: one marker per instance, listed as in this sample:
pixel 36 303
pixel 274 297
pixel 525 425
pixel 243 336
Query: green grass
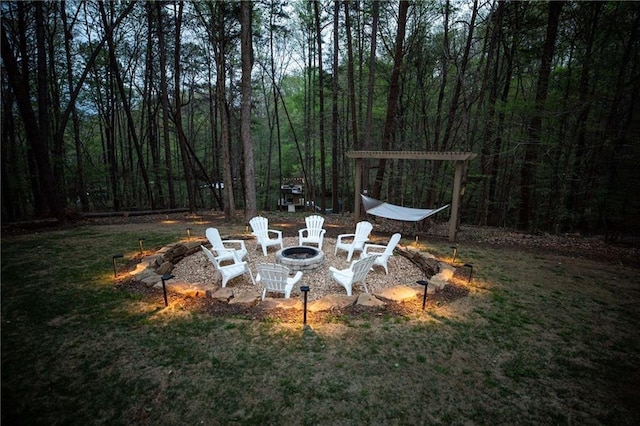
pixel 532 343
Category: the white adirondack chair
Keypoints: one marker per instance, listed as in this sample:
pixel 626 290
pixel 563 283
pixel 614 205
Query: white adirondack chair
pixel 260 227
pixel 275 277
pixel 228 272
pixel 356 273
pixel 380 252
pixel 354 242
pixel 227 249
pixel 313 233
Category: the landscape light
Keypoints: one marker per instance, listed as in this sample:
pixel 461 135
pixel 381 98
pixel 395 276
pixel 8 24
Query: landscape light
pixel 425 283
pixel 188 234
pixel 468 265
pixel 115 256
pixel 140 243
pixel 164 278
pixel 305 290
pixel 455 252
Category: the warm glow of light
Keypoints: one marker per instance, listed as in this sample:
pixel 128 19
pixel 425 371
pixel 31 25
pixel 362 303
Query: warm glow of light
pixel 169 222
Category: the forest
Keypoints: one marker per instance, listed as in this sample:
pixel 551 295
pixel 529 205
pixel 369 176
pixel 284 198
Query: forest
pixel 136 105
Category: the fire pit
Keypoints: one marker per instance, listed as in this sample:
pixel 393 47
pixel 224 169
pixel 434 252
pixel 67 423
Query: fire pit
pixel 300 258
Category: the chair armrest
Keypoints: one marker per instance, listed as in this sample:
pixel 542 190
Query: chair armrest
pixel 368 247
pixel 302 231
pixel 238 242
pixel 273 231
pixel 341 236
pixel 297 276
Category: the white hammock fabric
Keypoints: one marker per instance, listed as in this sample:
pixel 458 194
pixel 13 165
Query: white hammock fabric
pixel 391 211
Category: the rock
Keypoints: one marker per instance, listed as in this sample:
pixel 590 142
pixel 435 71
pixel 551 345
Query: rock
pixel 397 293
pixel 250 298
pixel 193 247
pixel 141 274
pixel 437 284
pixel 366 299
pixel 165 268
pixel 223 294
pixel 427 264
pixel 181 287
pixel 271 303
pixel 331 301
pixel 431 289
pixel 152 279
pixel 175 253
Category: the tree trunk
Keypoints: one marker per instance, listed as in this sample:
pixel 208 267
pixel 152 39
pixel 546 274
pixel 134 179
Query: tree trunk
pixel 529 166
pixel 127 110
pixel 334 108
pixel 392 99
pixel 177 114
pixel 368 124
pixel 323 161
pixel 80 186
pixel 251 208
pixel 221 78
pixel 37 141
pixel 164 102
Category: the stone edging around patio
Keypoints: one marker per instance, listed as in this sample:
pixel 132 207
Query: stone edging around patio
pixel 150 269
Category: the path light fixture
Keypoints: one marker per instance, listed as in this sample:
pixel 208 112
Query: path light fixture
pixel 455 252
pixel 116 256
pixel 305 290
pixel 188 234
pixel 164 278
pixel 141 244
pixel 470 266
pixel 425 283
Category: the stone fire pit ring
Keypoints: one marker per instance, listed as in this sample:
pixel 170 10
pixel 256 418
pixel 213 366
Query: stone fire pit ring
pixel 300 258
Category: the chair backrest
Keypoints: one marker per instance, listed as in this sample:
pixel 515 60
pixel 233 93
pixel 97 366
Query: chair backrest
pixel 214 238
pixel 361 268
pixel 260 226
pixel 363 229
pixel 273 275
pixel 314 225
pixel 393 242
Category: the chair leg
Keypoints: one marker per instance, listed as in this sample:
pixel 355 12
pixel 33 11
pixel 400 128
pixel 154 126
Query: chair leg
pixel 251 275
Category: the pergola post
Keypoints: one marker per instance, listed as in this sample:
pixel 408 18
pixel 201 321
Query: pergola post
pixel 455 200
pixel 357 189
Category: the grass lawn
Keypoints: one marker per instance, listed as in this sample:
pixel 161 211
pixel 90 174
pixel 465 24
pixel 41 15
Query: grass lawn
pixel 540 339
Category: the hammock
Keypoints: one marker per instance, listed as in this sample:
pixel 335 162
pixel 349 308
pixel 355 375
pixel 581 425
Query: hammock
pixel 391 211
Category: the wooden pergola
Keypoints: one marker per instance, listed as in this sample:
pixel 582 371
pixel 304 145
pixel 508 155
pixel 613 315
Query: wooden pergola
pixel 461 159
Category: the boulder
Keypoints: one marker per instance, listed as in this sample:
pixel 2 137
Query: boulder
pixel 271 303
pixel 398 293
pixel 366 299
pixel 165 268
pixel 222 294
pixel 331 301
pixel 250 298
pixel 152 280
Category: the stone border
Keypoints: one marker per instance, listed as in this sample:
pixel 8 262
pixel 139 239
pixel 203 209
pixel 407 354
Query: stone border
pixel 150 269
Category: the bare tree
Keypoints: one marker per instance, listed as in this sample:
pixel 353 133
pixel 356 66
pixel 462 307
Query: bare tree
pixel 251 208
pixel 392 97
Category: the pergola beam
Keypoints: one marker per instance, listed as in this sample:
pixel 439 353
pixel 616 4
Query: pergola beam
pixel 460 158
pixel 414 155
